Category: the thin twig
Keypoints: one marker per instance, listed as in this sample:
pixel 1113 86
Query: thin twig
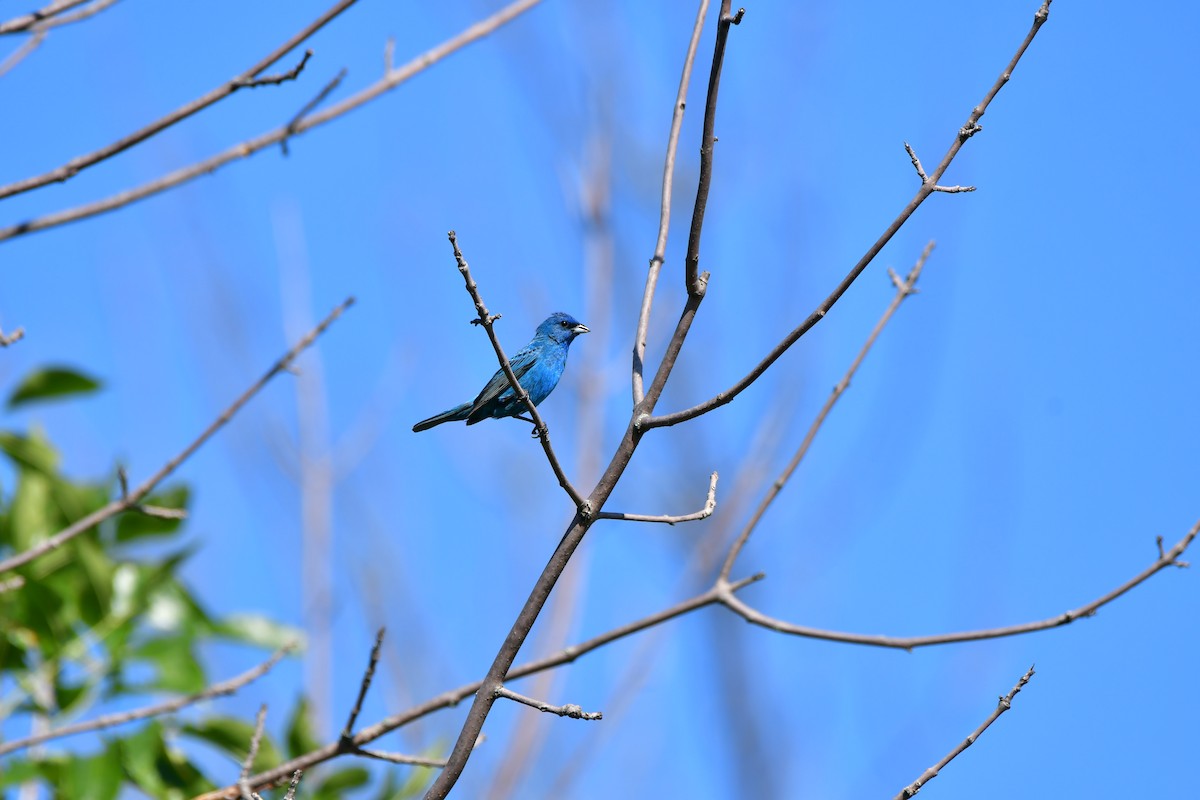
pixel 20 54
pixel 1003 705
pixel 74 16
pixel 9 338
pixel 368 675
pixel 453 697
pixel 664 209
pixel 710 505
pixel 27 21
pixel 569 710
pixel 159 709
pixel 248 764
pixel 487 320
pixel 326 90
pixel 401 758
pixel 247 78
pixel 1168 559
pixel 278 78
pixel 926 189
pixel 904 288
pixel 133 498
pixel 293 785
pixel 273 137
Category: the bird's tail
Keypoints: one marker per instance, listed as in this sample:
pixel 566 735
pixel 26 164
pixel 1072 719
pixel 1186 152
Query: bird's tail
pixel 453 415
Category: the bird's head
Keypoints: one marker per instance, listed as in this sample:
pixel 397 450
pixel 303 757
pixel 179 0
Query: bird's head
pixel 560 327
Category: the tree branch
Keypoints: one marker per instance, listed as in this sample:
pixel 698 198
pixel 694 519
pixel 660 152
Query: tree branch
pixel 132 499
pixel 9 338
pixel 904 288
pixel 484 699
pixel 169 707
pixel 27 21
pixel 246 148
pixel 710 505
pixel 488 320
pixel 664 212
pixel 250 77
pixel 453 697
pixel 926 189
pixel 1168 559
pixel 569 710
pixel 1004 705
pixel 251 754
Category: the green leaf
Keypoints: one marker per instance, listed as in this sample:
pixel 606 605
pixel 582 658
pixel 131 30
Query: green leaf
pixel 300 737
pixel 178 669
pixel 133 525
pixel 95 583
pixel 336 784
pixel 233 736
pixel 259 630
pixel 50 383
pixel 32 451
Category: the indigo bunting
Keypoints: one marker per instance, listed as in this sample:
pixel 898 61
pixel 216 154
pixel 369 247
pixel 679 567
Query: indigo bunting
pixel 537 367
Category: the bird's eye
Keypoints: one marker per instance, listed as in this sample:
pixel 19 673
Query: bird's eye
pixel 565 324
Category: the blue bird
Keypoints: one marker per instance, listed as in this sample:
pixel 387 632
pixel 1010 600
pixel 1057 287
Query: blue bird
pixel 537 366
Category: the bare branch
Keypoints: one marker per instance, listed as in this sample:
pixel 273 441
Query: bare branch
pixel 20 54
pixel 247 78
pixel 453 697
pixel 295 784
pixel 710 505
pixel 1169 559
pixel 925 179
pixel 664 212
pixel 1004 705
pixel 131 500
pixel 904 288
pixel 401 758
pixel 275 80
pixel 372 662
pixel 9 338
pixel 75 16
pixel 326 90
pixel 248 764
pixel 926 189
pixel 487 320
pixel 159 709
pixel 273 137
pixel 27 21
pixel 570 710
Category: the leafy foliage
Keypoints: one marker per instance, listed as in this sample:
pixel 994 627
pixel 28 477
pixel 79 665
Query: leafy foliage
pixel 99 622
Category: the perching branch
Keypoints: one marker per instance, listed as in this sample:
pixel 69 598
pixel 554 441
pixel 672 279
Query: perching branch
pixel 485 698
pixel 904 288
pixel 664 212
pixel 159 709
pixel 132 499
pixel 1168 559
pixel 251 77
pixel 570 710
pixel 1004 705
pixel 487 320
pixel 453 697
pixel 389 81
pixel 710 505
pixel 926 189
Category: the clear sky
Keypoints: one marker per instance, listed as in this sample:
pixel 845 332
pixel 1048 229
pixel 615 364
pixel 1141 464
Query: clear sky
pixel 1012 447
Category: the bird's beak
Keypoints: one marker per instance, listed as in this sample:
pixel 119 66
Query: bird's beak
pixel 581 328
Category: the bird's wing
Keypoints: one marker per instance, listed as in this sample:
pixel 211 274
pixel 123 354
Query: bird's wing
pixel 521 363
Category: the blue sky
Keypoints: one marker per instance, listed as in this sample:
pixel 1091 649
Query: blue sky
pixel 1010 449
